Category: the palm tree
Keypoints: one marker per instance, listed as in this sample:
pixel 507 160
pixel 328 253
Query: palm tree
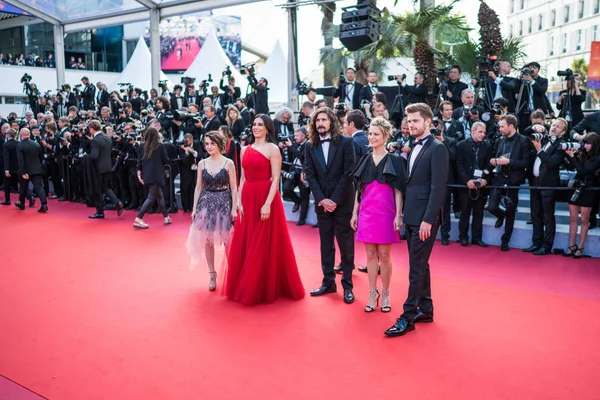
pixel 328 10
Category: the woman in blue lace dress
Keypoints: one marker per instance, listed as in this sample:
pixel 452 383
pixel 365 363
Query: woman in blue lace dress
pixel 213 214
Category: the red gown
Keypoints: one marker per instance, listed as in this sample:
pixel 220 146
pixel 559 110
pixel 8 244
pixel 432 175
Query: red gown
pixel 261 264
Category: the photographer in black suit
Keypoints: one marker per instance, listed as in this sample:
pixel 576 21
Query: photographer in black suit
pixel 413 93
pixel 11 165
pixel 368 91
pixel 348 90
pixel 101 147
pixel 533 94
pixel 231 92
pixel 190 152
pixel 261 93
pixel 425 191
pixel 472 158
pixel 30 156
pixel 295 177
pixel 546 172
pixel 510 162
pixel 88 94
pixel 328 161
pixel 502 85
pixel 453 87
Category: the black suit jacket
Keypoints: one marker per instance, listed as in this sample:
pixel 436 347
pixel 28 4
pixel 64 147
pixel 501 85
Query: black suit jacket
pixel 103 101
pixel 238 128
pixel 213 125
pixel 551 159
pixel 465 159
pixel 29 156
pixel 426 187
pixel 508 87
pixel 341 93
pixel 414 94
pixel 366 93
pixel 290 128
pixel 456 89
pixel 520 158
pixel 539 96
pixel 332 180
pixel 174 105
pixel 100 153
pixel 193 99
pixel 451 145
pixel 153 169
pixel 361 144
pixel 9 155
pixel 590 123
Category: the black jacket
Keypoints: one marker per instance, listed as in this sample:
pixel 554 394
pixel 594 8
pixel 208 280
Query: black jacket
pixel 332 180
pixel 551 159
pixel 465 159
pixel 153 169
pixel 341 92
pixel 29 156
pixel 261 97
pixel 456 89
pixel 100 153
pixel 9 155
pixel 590 123
pixel 414 94
pixel 520 158
pixel 237 128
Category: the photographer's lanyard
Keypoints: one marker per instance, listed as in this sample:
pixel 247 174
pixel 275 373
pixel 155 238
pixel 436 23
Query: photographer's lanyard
pixel 349 93
pixel 476 160
pixel 531 108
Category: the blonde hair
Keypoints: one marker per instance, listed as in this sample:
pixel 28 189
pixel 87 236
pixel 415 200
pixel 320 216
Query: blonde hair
pixel 384 125
pixel 234 108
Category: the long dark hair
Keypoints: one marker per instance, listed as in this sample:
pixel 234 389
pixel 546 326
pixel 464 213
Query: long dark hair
pixel 270 129
pixel 335 130
pixel 151 143
pixel 594 139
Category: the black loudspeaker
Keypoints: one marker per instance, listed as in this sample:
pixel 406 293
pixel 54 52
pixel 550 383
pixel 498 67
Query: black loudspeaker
pixel 360 26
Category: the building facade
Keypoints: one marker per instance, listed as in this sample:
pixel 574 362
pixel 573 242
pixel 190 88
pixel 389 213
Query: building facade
pixel 555 32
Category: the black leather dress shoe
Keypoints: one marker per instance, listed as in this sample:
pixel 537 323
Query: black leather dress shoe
pixel 337 269
pixel 401 327
pixel 480 243
pixel 32 202
pixel 504 247
pixel 97 216
pixel 20 205
pixel 499 222
pixel 531 249
pixel 5 203
pixel 542 252
pixel 445 242
pixel 423 317
pixel 530 222
pixel 120 208
pixel 464 242
pixel 301 222
pixel 348 296
pixel 296 208
pixel 363 269
pixel 43 209
pixel 324 290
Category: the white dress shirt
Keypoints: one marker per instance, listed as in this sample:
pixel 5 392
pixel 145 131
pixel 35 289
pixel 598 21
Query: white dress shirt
pixel 349 94
pixel 538 162
pixel 415 152
pixel 325 147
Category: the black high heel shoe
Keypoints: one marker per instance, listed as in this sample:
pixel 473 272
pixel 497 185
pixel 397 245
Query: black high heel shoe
pixel 573 249
pixel 372 299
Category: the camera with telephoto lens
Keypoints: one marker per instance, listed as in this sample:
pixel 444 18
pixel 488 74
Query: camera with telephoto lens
pixel 391 78
pixel 26 78
pixel 187 80
pixel 303 120
pixel 342 79
pixel 486 64
pixel 496 110
pixel 184 116
pixel 162 83
pixel 339 109
pixel 250 68
pixel 206 83
pixel 227 71
pixel 578 186
pixel 567 73
pixel 527 71
pixel 302 88
pixel 499 168
pixel 435 130
pixel 570 146
pixel 542 136
pixel 443 71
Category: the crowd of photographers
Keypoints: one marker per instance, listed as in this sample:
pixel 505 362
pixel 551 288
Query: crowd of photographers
pixel 500 131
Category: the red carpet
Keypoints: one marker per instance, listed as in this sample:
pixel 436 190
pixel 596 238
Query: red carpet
pixel 95 310
pixel 187 56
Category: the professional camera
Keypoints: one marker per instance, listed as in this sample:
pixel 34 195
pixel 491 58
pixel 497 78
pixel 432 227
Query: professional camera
pixel 391 78
pixel 435 131
pixel 498 169
pixel 206 83
pixel 486 64
pixel 399 144
pixel 444 70
pixel 303 120
pixel 366 102
pixel 302 88
pixel 77 87
pixel 578 185
pixel 496 110
pixel 339 109
pixel 527 71
pixel 228 71
pixel 162 83
pixel 184 116
pixel 542 136
pixel 570 146
pixel 342 79
pixel 250 68
pixel 187 80
pixel 567 73
pixel 125 87
pixel 26 78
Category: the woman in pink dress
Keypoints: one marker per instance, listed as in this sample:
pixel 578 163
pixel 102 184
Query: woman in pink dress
pixel 380 179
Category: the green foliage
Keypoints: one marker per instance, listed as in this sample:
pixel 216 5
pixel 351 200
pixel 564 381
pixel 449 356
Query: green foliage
pixel 579 66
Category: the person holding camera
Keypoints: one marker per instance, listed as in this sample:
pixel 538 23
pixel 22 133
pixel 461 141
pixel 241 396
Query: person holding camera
pixel 348 90
pixel 587 163
pixel 570 100
pixel 212 123
pixel 502 85
pixel 87 94
pixel 533 94
pixel 368 91
pixel 295 177
pixel 453 87
pixel 472 157
pixel 511 160
pixel 231 92
pixel 190 152
pixel 416 93
pixel 468 113
pixel 545 172
pixel 260 95
pixel 191 96
pixel 29 158
pixel 244 111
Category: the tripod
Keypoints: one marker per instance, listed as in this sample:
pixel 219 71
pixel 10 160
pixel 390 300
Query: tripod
pixel 483 92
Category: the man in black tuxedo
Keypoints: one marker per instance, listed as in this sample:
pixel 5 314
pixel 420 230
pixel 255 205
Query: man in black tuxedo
pixel 533 96
pixel 230 92
pixel 136 101
pixel 11 165
pixel 260 97
pixel 297 150
pixel 190 153
pixel 349 90
pixel 191 96
pixel 546 172
pixel 510 161
pixel 472 158
pixel 329 159
pixel 368 91
pixel 452 90
pixel 213 123
pixel 87 94
pixel 102 96
pixel 425 190
pixel 502 85
pixel 452 127
pixel 30 156
pixel 101 147
pixel 589 123
pixel 354 124
pixel 415 93
pixel 177 100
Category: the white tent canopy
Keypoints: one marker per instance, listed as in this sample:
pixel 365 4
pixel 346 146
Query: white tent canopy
pixel 275 71
pixel 212 60
pixel 138 71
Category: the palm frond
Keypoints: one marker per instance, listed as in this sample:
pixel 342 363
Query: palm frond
pixel 513 50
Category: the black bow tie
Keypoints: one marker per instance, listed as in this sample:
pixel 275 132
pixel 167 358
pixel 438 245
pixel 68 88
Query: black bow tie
pixel 325 140
pixel 422 141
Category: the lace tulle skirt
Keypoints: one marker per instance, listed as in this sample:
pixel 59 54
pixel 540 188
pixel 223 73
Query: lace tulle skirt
pixel 210 227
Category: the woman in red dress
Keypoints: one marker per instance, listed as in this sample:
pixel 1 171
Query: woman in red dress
pixel 262 265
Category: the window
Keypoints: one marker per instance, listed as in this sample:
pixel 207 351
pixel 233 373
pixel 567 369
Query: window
pixel 567 9
pixel 510 30
pixel 564 49
pixel 579 37
pixel 551 45
pixel 595 33
pixel 520 28
pixel 522 4
pixel 540 22
pixel 581 7
pixel 553 17
pixel 529 25
pixel 512 6
pixel 597 7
